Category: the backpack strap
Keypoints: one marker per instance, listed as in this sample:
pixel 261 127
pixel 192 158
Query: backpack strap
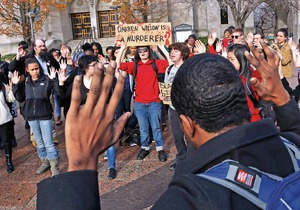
pixel 293 151
pixel 169 69
pixel 154 67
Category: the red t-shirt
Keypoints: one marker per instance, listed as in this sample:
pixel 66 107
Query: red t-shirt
pixel 147 89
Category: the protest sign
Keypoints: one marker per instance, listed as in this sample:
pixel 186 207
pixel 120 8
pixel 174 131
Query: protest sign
pixel 165 91
pixel 144 34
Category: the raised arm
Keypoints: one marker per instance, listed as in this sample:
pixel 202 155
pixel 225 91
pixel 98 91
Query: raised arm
pixel 166 53
pixel 270 88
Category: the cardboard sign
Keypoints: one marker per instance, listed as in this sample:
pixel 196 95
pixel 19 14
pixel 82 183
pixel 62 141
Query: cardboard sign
pixel 165 91
pixel 143 34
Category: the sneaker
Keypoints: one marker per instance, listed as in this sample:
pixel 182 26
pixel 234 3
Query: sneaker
pixel 112 174
pixel 162 156
pixel 142 154
pixel 172 167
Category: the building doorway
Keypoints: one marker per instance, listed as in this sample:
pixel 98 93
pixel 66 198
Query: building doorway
pixel 107 23
pixel 81 25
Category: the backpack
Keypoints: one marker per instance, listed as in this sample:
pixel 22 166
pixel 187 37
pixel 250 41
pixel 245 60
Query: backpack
pixel 266 191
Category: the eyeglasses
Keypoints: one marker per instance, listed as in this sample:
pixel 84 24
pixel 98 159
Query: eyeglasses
pixel 92 64
pixel 141 50
pixel 235 37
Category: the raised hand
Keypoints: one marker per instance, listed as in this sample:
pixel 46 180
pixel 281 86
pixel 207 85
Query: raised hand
pixel 249 38
pixel 62 76
pixel 219 46
pixel 20 52
pixel 15 79
pixel 292 44
pixel 154 48
pixel 211 40
pixel 270 88
pixel 63 64
pixel 199 47
pixel 52 74
pixel 90 129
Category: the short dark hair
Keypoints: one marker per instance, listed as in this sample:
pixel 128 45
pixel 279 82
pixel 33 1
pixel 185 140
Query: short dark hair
pixel 261 34
pixel 87 46
pixel 209 91
pixel 24 44
pixel 183 48
pixel 85 60
pixel 193 36
pixel 30 61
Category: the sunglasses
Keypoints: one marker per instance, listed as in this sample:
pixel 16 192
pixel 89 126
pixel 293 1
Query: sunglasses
pixel 235 37
pixel 141 50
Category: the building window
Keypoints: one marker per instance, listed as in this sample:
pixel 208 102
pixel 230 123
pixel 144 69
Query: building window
pixel 224 15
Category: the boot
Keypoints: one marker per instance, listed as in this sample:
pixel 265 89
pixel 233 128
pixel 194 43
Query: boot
pixel 54 167
pixel 8 155
pixel 44 167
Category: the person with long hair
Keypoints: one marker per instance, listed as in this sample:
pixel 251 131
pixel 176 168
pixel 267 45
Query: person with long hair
pixel 285 51
pixel 147 104
pixel 235 54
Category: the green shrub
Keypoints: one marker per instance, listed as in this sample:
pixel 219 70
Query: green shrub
pixel 9 56
pixel 204 39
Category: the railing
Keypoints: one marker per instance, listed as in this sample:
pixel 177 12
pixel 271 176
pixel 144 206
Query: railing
pixel 88 38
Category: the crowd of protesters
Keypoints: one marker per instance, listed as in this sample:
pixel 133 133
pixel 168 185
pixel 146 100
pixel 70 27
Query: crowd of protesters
pixel 41 81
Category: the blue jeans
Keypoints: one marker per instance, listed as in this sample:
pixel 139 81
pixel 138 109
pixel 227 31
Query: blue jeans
pixel 42 132
pixel 146 113
pixel 111 157
pixel 57 107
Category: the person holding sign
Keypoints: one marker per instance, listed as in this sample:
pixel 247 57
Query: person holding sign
pixel 147 104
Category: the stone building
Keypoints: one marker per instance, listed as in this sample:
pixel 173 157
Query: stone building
pixel 97 19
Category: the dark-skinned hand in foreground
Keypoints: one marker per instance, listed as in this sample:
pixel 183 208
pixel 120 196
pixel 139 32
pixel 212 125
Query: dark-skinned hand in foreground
pixel 270 88
pixel 91 129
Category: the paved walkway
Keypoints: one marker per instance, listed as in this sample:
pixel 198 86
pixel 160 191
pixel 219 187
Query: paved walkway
pixel 137 186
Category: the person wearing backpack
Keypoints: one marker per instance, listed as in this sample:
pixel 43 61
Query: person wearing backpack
pixel 147 104
pixel 210 99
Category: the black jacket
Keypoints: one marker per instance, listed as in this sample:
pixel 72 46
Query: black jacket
pixel 255 144
pixel 4 69
pixel 36 97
